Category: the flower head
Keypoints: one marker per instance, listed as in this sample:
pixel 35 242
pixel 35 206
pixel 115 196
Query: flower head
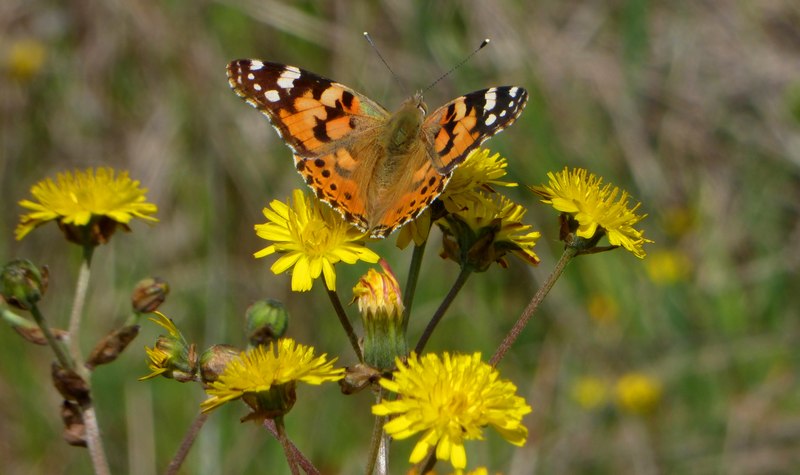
pixel 25 58
pixel 450 400
pixel 88 205
pixel 171 356
pixel 590 392
pixel 486 230
pixel 265 377
pixel 638 393
pixel 596 208
pixel 311 238
pixel 479 173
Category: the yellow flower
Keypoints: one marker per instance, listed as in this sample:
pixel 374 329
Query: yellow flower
pixel 88 205
pixel 259 373
pixel 668 267
pixel 312 238
pixel 590 392
pixel 450 400
pixel 171 356
pixel 476 175
pixel 638 393
pixel 603 308
pixel 25 58
pixel 596 210
pixel 486 230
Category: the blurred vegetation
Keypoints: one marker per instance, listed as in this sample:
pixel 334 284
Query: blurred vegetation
pixel 693 107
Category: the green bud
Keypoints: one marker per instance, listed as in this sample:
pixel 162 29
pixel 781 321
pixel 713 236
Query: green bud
pixel 266 321
pixel 22 284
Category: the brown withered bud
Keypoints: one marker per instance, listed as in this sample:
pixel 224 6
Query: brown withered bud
pixel 149 294
pixel 357 378
pixel 74 428
pixel 98 231
pixel 35 335
pixel 70 384
pixel 214 360
pixel 110 347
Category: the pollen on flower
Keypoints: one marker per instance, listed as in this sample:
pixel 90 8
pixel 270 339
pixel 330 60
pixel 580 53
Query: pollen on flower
pixel 311 239
pixel 450 399
pixel 92 202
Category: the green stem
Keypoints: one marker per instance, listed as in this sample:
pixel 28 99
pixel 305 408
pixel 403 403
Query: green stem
pixel 511 337
pixel 61 354
pixel 76 314
pixel 411 283
pixel 186 444
pixel 287 446
pixel 463 275
pixel 378 447
pixel 348 328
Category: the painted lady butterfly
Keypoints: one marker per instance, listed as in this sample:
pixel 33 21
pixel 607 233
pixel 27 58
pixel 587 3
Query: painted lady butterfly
pixel 378 169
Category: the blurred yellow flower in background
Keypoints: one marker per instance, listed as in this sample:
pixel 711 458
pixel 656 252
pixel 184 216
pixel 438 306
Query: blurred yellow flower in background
pixel 25 58
pixel 590 392
pixel 668 266
pixel 637 393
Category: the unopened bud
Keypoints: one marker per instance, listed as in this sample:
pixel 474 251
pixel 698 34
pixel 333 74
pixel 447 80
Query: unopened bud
pixel 358 377
pixel 70 384
pixel 266 321
pixel 214 360
pixel 22 284
pixel 74 428
pixel 149 294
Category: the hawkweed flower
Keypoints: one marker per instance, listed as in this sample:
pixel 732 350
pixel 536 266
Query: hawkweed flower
pixel 593 209
pixel 485 231
pixel 590 392
pixel 381 306
pixel 480 173
pixel 25 58
pixel 638 393
pixel 87 205
pixel 668 266
pixel 265 378
pixel 450 400
pixel 311 237
pixel 171 356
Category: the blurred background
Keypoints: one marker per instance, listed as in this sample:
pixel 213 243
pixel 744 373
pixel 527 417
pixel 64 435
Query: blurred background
pixel 685 362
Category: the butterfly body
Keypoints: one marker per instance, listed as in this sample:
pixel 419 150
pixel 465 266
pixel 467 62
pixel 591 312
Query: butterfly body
pixel 378 169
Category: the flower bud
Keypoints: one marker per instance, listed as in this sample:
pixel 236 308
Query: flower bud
pixel 74 428
pixel 22 284
pixel 214 360
pixel 28 329
pixel 149 294
pixel 266 321
pixel 70 384
pixel 275 402
pixel 381 307
pixel 171 356
pixel 110 347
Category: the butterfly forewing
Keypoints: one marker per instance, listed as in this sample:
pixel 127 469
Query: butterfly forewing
pixel 461 125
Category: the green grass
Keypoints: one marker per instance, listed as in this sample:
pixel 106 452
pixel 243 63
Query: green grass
pixel 691 107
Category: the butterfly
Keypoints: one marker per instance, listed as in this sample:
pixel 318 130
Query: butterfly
pixel 378 169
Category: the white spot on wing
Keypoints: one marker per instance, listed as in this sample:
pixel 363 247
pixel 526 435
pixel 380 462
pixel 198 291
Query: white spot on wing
pixel 490 97
pixel 257 86
pixel 255 65
pixel 513 91
pixel 251 76
pixel 503 114
pixel 286 83
pixel 293 69
pixel 287 77
pixel 490 119
pixel 272 95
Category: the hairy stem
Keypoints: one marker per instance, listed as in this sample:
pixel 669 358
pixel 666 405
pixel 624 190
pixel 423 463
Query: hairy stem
pixel 348 328
pixel 463 275
pixel 513 334
pixel 411 283
pixel 186 444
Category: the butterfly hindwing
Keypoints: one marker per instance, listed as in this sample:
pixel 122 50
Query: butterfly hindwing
pixel 461 125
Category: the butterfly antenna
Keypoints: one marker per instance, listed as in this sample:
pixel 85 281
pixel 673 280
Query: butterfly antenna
pixel 483 43
pixel 377 51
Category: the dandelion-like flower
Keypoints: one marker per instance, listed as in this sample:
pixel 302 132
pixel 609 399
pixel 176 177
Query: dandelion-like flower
pixel 638 393
pixel 478 174
pixel 450 400
pixel 265 377
pixel 311 238
pixel 596 208
pixel 88 205
pixel 486 230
